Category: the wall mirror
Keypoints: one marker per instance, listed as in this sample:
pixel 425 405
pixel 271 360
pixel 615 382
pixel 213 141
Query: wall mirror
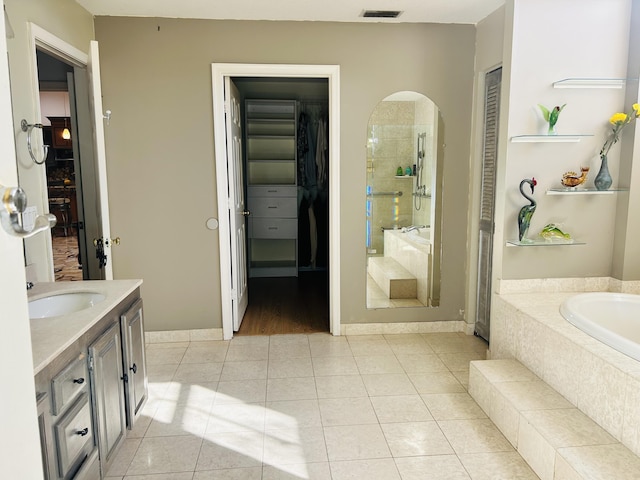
pixel 403 209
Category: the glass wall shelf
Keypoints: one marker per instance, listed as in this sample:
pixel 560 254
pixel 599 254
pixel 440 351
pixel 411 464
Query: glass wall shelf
pixel 543 243
pixel 590 83
pixel 584 191
pixel 548 138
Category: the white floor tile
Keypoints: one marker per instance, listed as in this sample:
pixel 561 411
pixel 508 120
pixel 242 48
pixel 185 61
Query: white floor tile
pixel 292 414
pixel 308 471
pixel 317 407
pixel 231 450
pixel 165 455
pixel 433 467
pixel 347 411
pixel 416 439
pixel 377 469
pixel 340 386
pixel 291 389
pixel 400 408
pixel 388 384
pixel 356 442
pixel 294 446
pixel 249 473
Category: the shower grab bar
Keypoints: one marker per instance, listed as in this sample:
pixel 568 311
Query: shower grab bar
pixel 28 127
pixel 385 194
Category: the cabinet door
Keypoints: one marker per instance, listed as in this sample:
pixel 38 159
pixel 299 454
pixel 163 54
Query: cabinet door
pixel 135 386
pixel 105 363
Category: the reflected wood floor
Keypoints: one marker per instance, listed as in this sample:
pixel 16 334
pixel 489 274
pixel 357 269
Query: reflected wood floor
pixel 287 305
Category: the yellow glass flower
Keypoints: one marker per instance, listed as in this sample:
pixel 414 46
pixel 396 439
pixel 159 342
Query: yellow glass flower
pixel 618 118
pixel 636 109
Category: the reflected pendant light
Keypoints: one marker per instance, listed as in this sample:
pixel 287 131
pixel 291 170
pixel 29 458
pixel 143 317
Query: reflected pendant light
pixel 66 134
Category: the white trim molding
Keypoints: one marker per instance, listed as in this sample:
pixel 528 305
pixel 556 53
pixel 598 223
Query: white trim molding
pixel 332 74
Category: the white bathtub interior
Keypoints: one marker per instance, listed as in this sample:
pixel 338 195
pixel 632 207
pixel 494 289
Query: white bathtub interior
pixel 612 318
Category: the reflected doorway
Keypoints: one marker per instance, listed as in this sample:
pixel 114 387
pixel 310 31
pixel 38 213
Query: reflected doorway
pixel 62 181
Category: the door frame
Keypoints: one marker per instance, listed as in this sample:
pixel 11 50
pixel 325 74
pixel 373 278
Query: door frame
pixel 332 74
pixel 39 38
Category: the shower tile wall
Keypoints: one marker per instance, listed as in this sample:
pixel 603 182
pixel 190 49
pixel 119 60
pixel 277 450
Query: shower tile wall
pixel 393 131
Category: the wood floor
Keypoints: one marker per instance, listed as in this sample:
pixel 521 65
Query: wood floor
pixel 287 305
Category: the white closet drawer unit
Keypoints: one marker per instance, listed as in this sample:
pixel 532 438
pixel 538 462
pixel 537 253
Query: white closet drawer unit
pixel 282 207
pixel 273 227
pixel 272 191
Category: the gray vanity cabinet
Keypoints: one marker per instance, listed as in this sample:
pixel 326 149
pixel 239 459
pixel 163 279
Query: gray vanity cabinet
pixel 89 393
pixel 135 374
pixel 105 365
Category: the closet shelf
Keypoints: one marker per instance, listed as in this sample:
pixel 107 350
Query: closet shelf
pixel 590 83
pixel 548 138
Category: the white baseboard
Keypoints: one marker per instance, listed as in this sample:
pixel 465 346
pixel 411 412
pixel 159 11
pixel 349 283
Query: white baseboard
pixel 170 336
pixel 407 327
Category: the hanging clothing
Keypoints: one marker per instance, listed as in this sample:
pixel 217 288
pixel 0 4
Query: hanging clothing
pixel 322 147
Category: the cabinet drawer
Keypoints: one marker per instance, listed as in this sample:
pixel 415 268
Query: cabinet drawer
pixel 74 435
pixel 272 191
pixel 69 383
pixel 273 228
pixel 90 469
pixel 283 207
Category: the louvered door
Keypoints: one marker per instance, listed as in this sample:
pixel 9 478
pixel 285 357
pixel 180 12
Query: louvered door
pixel 493 81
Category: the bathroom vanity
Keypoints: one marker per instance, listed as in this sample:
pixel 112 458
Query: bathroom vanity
pixel 90 376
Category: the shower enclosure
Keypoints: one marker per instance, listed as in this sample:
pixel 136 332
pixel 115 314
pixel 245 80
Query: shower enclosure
pixel 401 177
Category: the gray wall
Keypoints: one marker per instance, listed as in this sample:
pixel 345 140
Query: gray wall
pixel 156 79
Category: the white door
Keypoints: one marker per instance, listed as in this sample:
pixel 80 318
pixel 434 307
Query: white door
pixel 237 213
pixel 20 441
pixel 95 94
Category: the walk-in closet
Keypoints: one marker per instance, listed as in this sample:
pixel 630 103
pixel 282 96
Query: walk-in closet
pixel 285 181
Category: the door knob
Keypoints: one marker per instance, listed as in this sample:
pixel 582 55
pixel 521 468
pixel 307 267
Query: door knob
pixel 14 203
pixel 112 241
pixel 246 213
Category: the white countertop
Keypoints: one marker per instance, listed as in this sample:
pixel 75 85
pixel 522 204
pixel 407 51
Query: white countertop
pixel 51 336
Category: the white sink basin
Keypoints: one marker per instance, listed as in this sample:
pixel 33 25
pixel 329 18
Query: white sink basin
pixel 63 303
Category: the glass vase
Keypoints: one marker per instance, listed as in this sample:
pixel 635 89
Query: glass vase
pixel 603 179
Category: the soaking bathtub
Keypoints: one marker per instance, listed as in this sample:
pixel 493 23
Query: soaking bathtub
pixel 612 318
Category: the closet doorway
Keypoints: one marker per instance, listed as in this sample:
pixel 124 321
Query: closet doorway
pixel 289 192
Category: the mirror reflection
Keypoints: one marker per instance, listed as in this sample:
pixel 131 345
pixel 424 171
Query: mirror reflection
pixel 403 217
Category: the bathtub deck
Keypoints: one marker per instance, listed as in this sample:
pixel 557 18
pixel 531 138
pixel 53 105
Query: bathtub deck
pixel 602 383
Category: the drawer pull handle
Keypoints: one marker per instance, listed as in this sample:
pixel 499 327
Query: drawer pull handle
pixel 79 381
pixel 272 206
pixel 134 369
pixel 272 191
pixel 273 228
pixel 83 432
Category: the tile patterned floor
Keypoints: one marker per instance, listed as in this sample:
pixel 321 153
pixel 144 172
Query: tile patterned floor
pixel 316 407
pixel 65 257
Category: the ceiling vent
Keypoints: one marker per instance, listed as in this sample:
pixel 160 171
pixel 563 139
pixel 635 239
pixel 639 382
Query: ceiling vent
pixel 381 13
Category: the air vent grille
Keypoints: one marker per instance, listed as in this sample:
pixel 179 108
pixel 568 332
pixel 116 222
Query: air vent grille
pixel 381 13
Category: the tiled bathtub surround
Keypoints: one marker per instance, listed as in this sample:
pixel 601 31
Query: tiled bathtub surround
pixel 601 382
pixel 566 285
